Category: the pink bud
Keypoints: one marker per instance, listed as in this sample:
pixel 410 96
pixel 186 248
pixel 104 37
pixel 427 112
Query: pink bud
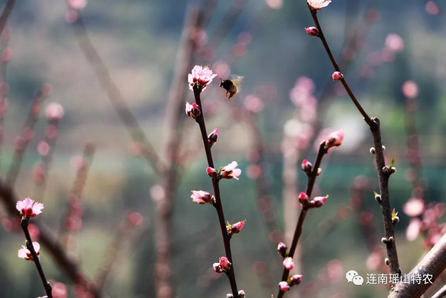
pixel 319 201
pixel 192 110
pixel 224 263
pixel 54 111
pixel 296 279
pixel 307 167
pixel 312 31
pixel 212 137
pixel 281 248
pixel 318 4
pixel 303 198
pixel 202 197
pixel 335 139
pixel 284 286
pixel 212 172
pixel 236 228
pixel 288 263
pixel 337 75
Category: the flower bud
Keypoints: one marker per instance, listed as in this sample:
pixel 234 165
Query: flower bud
pixel 312 31
pixel 202 197
pixel 337 76
pixel 335 139
pixel 241 294
pixel 192 110
pixel 296 279
pixel 284 286
pixel 307 167
pixel 319 201
pixel 235 228
pixel 288 263
pixel 281 248
pixel 212 137
pixel 212 172
pixel 303 198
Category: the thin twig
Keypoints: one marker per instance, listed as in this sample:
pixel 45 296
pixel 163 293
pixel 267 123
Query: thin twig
pixel 215 184
pixel 374 126
pixel 36 260
pixel 300 222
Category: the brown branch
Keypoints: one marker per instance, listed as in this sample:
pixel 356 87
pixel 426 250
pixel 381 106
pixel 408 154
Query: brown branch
pixel 383 177
pixel 433 263
pixel 5 14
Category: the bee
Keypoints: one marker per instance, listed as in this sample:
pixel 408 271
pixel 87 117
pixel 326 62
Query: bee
pixel 231 85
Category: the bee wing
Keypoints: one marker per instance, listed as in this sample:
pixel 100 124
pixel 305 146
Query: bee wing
pixel 237 80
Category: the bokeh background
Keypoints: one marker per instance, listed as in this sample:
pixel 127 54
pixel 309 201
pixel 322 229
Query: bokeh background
pixel 287 101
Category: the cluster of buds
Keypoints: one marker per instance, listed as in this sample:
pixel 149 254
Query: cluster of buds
pixel 293 280
pixel 223 265
pixel 227 172
pixel 315 203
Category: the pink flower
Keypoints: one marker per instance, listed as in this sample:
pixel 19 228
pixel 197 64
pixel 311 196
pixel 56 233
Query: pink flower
pixel 28 208
pixel 24 253
pixel 414 207
pixel 230 171
pixel 202 197
pixel 337 75
pixel 236 228
pixel 201 76
pixel 54 111
pixel 410 89
pixel 288 263
pixel 284 286
pixel 192 110
pixel 312 31
pixel 413 229
pixel 319 201
pixel 318 4
pixel 335 139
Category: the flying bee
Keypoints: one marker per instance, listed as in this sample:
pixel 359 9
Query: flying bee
pixel 231 85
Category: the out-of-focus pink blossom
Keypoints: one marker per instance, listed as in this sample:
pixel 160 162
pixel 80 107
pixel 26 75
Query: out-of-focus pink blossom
pixel 43 148
pixel 77 162
pixel 413 229
pixel 318 4
pixel 253 103
pixel 374 260
pixel 244 38
pixel 284 286
pixel 135 218
pixel 253 171
pixel 24 253
pixel 71 16
pixel 59 290
pixel 231 171
pixel 34 231
pixel 201 197
pixel 414 207
pixel 288 263
pixel 394 42
pixel 274 4
pixel 54 111
pixel 432 8
pixel 29 208
pixel 201 76
pixel 410 89
pixel 7 54
pixel 77 4
pixel 222 69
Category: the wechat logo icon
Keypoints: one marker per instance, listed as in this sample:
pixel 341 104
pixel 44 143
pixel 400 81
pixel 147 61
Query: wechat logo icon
pixel 354 277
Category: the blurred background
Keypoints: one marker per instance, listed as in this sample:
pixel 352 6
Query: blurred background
pixel 392 55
